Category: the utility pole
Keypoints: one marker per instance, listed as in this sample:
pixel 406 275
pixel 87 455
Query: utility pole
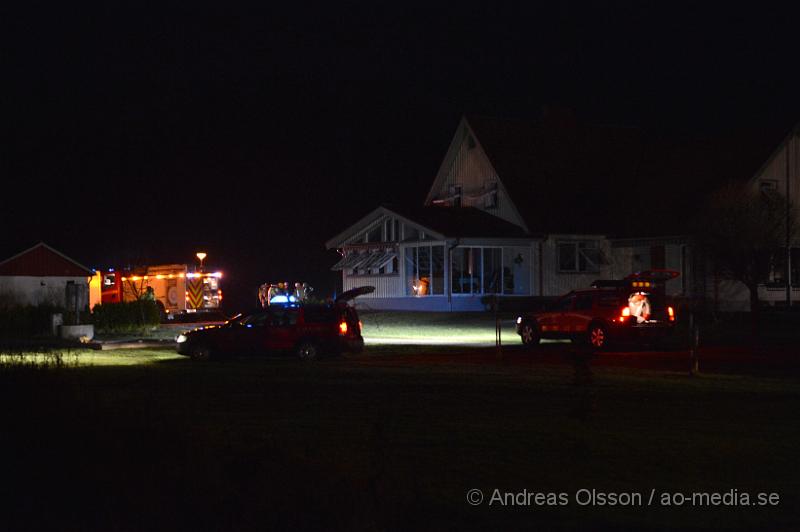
pixel 498 343
pixel 787 147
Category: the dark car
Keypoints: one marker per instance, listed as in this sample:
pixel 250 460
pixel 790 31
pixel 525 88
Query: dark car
pixel 633 309
pixel 306 330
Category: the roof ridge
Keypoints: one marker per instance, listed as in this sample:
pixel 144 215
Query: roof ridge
pixel 49 248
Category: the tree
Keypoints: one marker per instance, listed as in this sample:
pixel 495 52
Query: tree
pixel 741 230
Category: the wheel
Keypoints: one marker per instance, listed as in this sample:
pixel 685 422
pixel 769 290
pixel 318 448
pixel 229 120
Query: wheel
pixel 529 334
pixel 201 352
pixel 358 347
pixel 597 336
pixel 307 350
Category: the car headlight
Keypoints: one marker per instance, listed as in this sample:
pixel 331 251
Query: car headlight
pixel 181 338
pixel 519 320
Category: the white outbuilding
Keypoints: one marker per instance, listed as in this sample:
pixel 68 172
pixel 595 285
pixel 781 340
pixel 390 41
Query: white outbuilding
pixel 43 276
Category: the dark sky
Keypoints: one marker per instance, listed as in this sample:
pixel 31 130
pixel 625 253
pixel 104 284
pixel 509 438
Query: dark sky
pixel 146 134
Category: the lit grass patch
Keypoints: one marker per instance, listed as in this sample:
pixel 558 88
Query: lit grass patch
pixel 37 360
pixel 84 357
pixel 435 328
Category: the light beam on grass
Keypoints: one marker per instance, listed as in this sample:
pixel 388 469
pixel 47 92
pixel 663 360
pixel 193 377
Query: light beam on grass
pixel 85 358
pixel 470 329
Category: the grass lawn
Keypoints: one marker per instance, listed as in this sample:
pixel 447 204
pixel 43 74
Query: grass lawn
pixel 431 328
pixel 145 440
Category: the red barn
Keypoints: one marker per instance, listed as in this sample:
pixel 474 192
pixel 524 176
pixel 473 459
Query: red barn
pixel 41 275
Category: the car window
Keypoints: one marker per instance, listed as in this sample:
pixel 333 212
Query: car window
pixel 609 301
pixel 256 320
pixel 283 317
pixel 319 314
pixel 565 303
pixel 584 301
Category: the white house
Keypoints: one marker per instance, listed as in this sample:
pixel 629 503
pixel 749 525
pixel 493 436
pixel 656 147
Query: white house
pixel 41 275
pixel 501 219
pixel 779 172
pixel 520 210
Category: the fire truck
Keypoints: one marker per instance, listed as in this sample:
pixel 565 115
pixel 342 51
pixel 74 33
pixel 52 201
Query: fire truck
pixel 173 286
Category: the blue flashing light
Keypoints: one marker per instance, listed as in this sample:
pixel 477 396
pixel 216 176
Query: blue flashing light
pixel 288 300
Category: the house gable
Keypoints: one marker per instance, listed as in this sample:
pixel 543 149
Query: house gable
pixel 42 261
pixel 467 178
pixel 379 226
pixel 783 162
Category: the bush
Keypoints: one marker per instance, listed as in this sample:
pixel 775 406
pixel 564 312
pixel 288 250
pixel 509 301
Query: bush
pixel 133 316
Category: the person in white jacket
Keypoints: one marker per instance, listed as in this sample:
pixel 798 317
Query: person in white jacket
pixel 640 306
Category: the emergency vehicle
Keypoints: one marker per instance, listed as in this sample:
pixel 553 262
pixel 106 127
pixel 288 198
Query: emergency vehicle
pixel 171 285
pixel 633 309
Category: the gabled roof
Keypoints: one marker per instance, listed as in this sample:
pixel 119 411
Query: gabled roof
pixel 367 221
pixel 568 177
pixel 793 132
pixel 43 261
pixel 438 222
pixel 461 222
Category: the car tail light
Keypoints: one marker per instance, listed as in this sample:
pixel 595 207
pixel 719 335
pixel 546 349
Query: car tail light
pixel 343 328
pixel 360 326
pixel 671 313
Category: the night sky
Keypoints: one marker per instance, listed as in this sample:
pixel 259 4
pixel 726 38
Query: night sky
pixel 143 135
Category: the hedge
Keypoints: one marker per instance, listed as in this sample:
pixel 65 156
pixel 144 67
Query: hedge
pixel 125 317
pixel 26 321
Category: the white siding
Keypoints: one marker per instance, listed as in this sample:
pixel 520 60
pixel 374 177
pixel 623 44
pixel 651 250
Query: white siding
pixel 629 259
pixel 385 285
pixel 26 290
pixel 428 304
pixel 555 283
pixel 774 170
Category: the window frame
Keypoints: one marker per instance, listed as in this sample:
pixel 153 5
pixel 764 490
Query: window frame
pixel 594 267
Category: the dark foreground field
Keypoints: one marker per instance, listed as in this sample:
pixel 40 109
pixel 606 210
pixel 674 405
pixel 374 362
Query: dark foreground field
pixel 390 440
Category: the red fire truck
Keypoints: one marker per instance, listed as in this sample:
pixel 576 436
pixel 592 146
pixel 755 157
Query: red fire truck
pixel 172 285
